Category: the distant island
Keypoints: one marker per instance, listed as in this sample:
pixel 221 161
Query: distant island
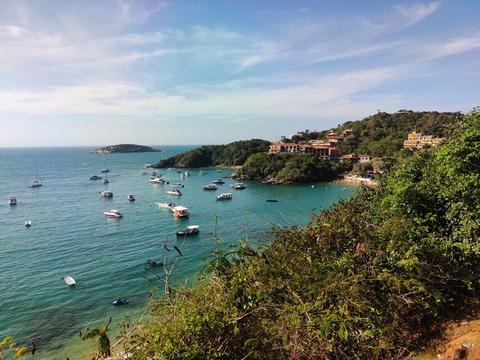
pixel 124 148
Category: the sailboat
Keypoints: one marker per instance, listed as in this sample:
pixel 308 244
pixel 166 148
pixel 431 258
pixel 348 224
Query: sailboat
pixel 105 180
pixel 35 183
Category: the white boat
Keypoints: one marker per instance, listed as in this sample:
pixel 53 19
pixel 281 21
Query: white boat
pixel 35 183
pixel 202 172
pixel 12 200
pixel 225 196
pixel 190 230
pixel 69 280
pixel 168 205
pixel 175 192
pixel 28 223
pixel 106 194
pixel 180 211
pixel 239 186
pixel 131 197
pixel 156 180
pixel 187 173
pixel 113 214
pixel 210 187
pixel 219 182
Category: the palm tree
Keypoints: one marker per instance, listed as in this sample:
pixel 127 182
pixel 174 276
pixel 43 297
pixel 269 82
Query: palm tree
pixel 103 340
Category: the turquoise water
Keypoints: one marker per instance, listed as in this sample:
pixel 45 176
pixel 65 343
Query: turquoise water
pixel 70 235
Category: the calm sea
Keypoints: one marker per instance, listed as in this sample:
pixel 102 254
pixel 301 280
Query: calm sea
pixel 70 235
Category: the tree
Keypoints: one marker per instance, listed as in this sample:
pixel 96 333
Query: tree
pixel 103 343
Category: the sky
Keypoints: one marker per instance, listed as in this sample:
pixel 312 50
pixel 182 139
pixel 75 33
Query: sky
pixel 90 72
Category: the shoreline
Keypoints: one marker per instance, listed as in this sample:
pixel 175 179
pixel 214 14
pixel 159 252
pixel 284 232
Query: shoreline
pixel 354 180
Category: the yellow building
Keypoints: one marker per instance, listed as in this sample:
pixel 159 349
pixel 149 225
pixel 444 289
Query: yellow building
pixel 418 140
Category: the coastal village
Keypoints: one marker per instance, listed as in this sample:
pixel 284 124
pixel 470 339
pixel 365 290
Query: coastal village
pixel 328 149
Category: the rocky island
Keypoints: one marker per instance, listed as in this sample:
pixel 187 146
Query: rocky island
pixel 124 148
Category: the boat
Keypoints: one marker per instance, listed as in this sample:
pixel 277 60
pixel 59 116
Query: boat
pixel 157 180
pixel 219 182
pixel 69 280
pixel 168 205
pixel 104 171
pixel 272 200
pixel 187 173
pixel 12 201
pixel 120 301
pixel 176 185
pixel 94 177
pixel 106 194
pixel 180 211
pixel 154 173
pixel 210 187
pixel 225 196
pixel 113 214
pixel 131 197
pixel 239 186
pixel 28 223
pixel 190 230
pixel 179 171
pixel 175 192
pixel 202 172
pixel 219 171
pixel 105 180
pixel 35 183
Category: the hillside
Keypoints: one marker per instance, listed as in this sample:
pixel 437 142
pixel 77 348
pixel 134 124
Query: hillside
pixel 382 134
pixel 124 148
pixel 233 154
pixel 368 279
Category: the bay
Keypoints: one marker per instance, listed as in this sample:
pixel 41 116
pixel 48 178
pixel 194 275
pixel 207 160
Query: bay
pixel 70 235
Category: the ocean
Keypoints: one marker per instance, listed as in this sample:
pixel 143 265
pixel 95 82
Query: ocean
pixel 70 235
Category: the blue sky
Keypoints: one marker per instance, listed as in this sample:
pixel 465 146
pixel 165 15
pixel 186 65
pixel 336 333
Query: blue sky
pixel 182 72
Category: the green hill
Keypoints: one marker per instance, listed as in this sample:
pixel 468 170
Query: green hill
pixel 370 278
pixel 233 154
pixel 382 134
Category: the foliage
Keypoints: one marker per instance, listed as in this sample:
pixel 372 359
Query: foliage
pixel 291 168
pixel 233 154
pixel 9 347
pixel 367 279
pixel 103 342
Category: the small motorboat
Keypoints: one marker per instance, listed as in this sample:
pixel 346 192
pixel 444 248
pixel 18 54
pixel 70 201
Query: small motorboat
pixel 190 230
pixel 104 171
pixel 175 192
pixel 131 197
pixel 105 179
pixel 69 280
pixel 120 301
pixel 218 182
pixel 94 177
pixel 210 187
pixel 202 172
pixel 272 200
pixel 106 194
pixel 113 214
pixel 168 205
pixel 35 184
pixel 176 185
pixel 156 180
pixel 225 196
pixel 239 186
pixel 12 201
pixel 180 211
pixel 28 223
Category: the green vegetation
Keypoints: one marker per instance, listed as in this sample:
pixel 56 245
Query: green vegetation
pixel 383 134
pixel 9 348
pixel 291 168
pixel 103 342
pixel 368 279
pixel 233 154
